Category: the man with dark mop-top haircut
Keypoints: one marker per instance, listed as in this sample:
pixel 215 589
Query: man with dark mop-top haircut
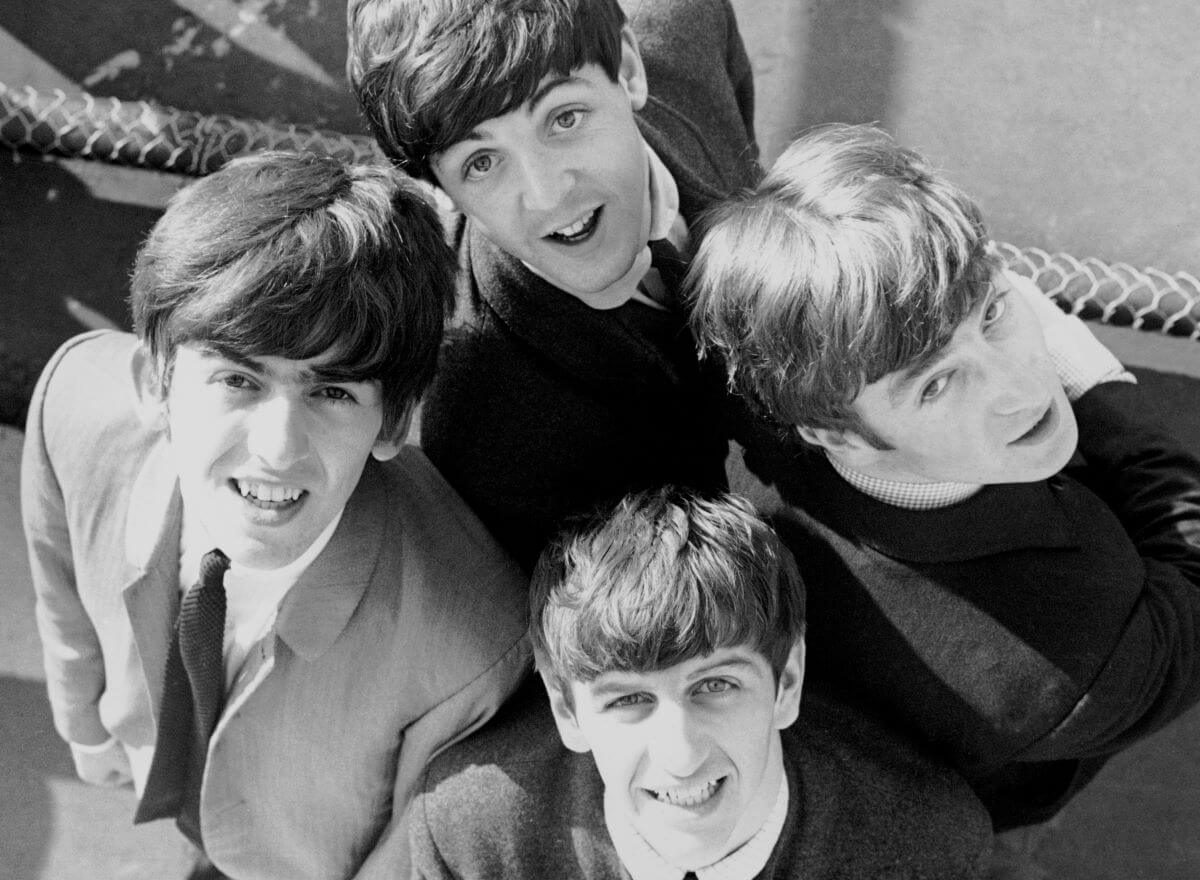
pixel 258 608
pixel 1002 546
pixel 669 634
pixel 578 139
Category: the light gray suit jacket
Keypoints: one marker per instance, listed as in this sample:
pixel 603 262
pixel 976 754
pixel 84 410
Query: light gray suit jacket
pixel 404 634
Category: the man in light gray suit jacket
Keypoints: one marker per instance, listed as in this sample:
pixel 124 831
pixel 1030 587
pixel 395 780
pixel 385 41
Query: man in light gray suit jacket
pixel 288 312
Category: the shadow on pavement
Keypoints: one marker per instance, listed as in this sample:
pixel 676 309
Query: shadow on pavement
pixel 33 754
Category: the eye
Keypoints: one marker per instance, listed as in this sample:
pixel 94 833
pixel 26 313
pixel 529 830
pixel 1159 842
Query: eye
pixel 934 388
pixel 568 119
pixel 337 393
pixel 714 686
pixel 236 381
pixel 626 700
pixel 995 309
pixel 478 166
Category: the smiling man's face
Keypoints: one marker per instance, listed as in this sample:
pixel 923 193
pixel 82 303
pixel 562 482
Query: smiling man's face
pixel 268 449
pixel 691 753
pixel 561 182
pixel 988 408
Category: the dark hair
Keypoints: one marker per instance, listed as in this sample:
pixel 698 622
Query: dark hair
pixel 666 576
pixel 297 255
pixel 851 260
pixel 426 72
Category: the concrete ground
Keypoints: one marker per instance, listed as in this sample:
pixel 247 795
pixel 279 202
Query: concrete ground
pixel 1067 120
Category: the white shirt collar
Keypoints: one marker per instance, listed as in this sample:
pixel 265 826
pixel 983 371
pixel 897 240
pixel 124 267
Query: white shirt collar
pixel 643 862
pixel 910 496
pixel 252 595
pixel 665 222
pixel 195 542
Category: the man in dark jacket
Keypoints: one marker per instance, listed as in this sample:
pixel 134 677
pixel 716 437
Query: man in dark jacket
pixel 1004 550
pixel 578 145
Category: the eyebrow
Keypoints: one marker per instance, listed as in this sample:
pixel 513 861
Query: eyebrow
pixel 735 662
pixel 547 87
pixel 229 354
pixel 898 388
pixel 913 371
pixel 320 373
pixel 621 686
pixel 612 688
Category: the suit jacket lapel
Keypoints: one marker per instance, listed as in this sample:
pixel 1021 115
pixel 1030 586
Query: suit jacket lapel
pixel 319 606
pixel 151 565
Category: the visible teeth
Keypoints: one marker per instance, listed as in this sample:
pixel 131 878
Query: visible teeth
pixel 688 797
pixel 264 492
pixel 575 228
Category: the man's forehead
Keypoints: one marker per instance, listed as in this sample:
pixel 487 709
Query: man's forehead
pixel 325 366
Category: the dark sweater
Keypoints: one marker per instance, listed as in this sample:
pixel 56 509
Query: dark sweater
pixel 864 804
pixel 1027 632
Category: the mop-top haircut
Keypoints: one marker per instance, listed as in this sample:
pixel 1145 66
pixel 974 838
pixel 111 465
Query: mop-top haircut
pixel 426 72
pixel 297 256
pixel 665 577
pixel 851 260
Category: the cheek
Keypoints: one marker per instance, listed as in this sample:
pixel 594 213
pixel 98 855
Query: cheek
pixel 199 439
pixel 492 205
pixel 343 449
pixel 616 760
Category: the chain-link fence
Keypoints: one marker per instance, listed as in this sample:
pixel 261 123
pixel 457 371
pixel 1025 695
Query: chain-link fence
pixel 150 136
pixel 163 138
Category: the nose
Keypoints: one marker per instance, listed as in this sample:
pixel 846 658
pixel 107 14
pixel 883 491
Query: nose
pixel 545 180
pixel 277 432
pixel 678 742
pixel 1017 384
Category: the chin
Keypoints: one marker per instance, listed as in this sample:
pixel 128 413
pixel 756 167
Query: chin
pixel 1064 449
pixel 251 554
pixel 691 858
pixel 688 851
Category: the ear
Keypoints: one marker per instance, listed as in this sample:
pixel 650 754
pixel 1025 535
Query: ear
pixel 442 200
pixel 831 439
pixel 791 684
pixel 631 74
pixel 151 405
pixel 389 443
pixel 564 718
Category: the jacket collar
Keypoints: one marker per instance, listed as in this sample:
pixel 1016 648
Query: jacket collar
pixel 319 607
pixel 153 521
pixel 151 577
pixel 592 346
pixel 997 519
pixel 701 177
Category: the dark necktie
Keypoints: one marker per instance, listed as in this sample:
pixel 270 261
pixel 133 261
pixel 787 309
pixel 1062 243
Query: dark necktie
pixel 193 693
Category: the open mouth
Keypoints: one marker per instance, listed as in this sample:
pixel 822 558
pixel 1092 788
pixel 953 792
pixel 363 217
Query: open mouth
pixel 579 231
pixel 266 496
pixel 687 796
pixel 1041 428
